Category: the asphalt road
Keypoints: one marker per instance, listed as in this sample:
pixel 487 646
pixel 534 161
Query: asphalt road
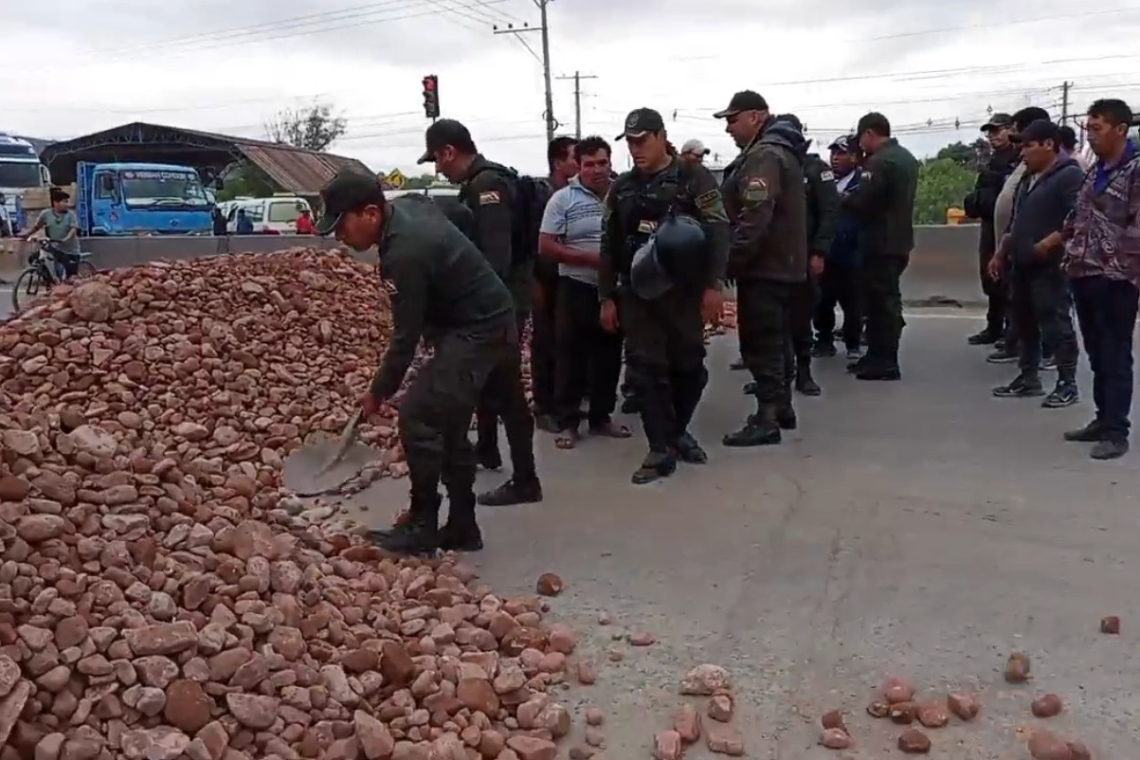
pixel 922 528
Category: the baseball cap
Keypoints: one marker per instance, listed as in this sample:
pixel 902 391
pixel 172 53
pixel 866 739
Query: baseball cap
pixel 845 144
pixel 695 146
pixel 441 134
pixel 998 121
pixel 745 100
pixel 347 192
pixel 1038 130
pixel 641 121
pixel 1022 118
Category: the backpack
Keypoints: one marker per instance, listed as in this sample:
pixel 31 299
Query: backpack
pixel 451 207
pixel 530 197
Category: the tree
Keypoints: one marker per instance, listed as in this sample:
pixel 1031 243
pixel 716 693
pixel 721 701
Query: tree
pixel 942 184
pixel 423 180
pixel 312 128
pixel 970 156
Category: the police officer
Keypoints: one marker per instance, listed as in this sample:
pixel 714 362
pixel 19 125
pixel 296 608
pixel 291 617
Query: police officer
pixel 884 200
pixel 651 213
pixel 822 220
pixel 980 204
pixel 767 207
pixel 489 189
pixel 448 294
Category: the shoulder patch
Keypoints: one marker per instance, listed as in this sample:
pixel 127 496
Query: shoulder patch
pixel 865 175
pixel 827 176
pixel 756 190
pixel 489 197
pixel 708 200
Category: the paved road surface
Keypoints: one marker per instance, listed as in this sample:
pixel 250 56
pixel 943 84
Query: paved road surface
pixel 920 528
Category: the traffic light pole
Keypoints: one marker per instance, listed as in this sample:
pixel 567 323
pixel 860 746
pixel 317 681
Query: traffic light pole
pixel 551 123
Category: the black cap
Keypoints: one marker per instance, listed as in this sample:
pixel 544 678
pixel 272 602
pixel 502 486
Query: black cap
pixel 347 192
pixel 1039 130
pixel 641 121
pixel 745 100
pixel 1022 118
pixel 874 121
pixel 791 118
pixel 441 134
pixel 998 121
pixel 845 144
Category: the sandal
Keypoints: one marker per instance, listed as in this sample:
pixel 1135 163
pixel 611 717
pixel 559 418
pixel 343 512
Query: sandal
pixel 610 430
pixel 568 440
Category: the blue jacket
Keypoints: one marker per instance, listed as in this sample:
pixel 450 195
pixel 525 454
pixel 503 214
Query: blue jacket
pixel 845 250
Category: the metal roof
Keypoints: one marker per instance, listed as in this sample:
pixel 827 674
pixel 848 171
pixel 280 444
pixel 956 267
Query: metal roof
pixel 296 170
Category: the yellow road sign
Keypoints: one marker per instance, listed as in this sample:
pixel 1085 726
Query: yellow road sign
pixel 396 179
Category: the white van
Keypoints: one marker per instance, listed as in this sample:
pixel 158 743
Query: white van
pixel 271 216
pixel 442 191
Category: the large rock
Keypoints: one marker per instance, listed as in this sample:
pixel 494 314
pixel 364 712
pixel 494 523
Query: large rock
pixel 93 301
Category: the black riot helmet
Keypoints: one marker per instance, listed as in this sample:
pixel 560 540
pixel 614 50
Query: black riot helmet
pixel 675 255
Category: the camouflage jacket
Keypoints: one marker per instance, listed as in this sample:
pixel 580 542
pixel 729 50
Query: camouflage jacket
pixel 1102 233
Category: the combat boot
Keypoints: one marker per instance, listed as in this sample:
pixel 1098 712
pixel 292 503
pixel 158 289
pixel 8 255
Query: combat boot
pixel 786 412
pixel 517 490
pixel 761 429
pixel 418 535
pixel 461 533
pixel 805 383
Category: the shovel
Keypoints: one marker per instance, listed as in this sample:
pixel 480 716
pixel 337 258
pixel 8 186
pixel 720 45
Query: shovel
pixel 323 467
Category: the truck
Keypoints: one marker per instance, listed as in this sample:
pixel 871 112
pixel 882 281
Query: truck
pixel 118 199
pixel 20 171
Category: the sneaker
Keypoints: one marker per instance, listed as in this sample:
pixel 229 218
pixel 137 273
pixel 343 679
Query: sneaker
pixel 513 493
pixel 1048 364
pixel 1000 344
pixel 1065 394
pixel 1002 356
pixel 689 450
pixel 1110 448
pixel 984 338
pixel 1021 387
pixel 1090 433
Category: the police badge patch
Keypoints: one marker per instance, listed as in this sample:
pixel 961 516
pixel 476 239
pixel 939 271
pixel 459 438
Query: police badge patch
pixel 755 190
pixel 827 176
pixel 631 122
pixel 488 198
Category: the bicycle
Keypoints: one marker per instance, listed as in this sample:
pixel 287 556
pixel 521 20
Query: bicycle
pixel 46 270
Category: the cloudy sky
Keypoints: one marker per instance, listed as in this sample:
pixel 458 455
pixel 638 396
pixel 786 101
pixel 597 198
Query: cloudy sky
pixel 229 65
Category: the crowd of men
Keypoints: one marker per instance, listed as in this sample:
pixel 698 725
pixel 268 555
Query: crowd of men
pixel 1057 232
pixel 607 269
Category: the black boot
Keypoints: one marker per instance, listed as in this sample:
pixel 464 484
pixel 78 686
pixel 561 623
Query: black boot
pixel 786 412
pixel 805 383
pixel 688 387
pixel 1110 448
pixel 517 490
pixel 657 465
pixel 487 455
pixel 738 364
pixel 986 337
pixel 461 533
pixel 419 534
pixel 1090 433
pixel 823 348
pixel 761 429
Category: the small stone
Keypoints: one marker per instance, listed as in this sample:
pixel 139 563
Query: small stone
pixel 897 690
pixel 1044 745
pixel 965 706
pixel 532 748
pixel 833 719
pixel 1110 625
pixel 904 713
pixel 1046 706
pixel 687 723
pixel 374 738
pixel 587 673
pixel 914 742
pixel 724 740
pixel 667 745
pixel 835 738
pixel 878 709
pixel 187 706
pixel 721 707
pixel 705 680
pixel 642 639
pixel 933 715
pixel 594 716
pixel 1017 668
pixel 252 710
pixel 549 584
pixel 1078 750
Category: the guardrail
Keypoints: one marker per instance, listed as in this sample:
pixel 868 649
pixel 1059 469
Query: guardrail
pixel 943 268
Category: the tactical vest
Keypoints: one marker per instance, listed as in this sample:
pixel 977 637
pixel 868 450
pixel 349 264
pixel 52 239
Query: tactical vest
pixel 641 206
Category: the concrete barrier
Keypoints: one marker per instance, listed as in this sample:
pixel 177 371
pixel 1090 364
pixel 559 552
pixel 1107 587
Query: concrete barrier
pixel 943 267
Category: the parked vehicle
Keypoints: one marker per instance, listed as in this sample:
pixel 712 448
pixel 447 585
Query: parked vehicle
pixel 20 170
pixel 270 216
pixel 140 199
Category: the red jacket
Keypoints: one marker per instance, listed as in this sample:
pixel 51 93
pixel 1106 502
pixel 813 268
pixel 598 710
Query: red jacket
pixel 304 225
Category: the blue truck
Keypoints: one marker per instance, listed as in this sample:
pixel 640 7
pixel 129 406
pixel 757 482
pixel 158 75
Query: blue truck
pixel 141 199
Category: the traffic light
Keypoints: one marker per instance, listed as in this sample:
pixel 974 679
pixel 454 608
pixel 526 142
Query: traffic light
pixel 431 96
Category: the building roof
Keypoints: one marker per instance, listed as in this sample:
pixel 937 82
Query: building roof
pixel 296 170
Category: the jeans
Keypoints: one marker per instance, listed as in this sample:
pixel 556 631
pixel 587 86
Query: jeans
pixel 1040 302
pixel 1106 310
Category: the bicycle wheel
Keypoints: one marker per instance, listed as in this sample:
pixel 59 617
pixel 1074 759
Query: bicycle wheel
pixel 85 269
pixel 27 286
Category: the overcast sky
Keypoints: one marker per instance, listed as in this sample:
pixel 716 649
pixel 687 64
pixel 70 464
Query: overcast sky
pixel 229 65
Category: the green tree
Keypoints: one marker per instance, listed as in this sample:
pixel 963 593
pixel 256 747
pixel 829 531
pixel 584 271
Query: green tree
pixel 312 128
pixel 942 184
pixel 246 180
pixel 423 180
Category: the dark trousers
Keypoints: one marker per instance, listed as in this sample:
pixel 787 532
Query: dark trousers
pixel 589 358
pixel 504 397
pixel 801 307
pixel 839 286
pixel 997 295
pixel 544 350
pixel 1106 310
pixel 665 342
pixel 1040 302
pixel 882 302
pixel 435 415
pixel 763 322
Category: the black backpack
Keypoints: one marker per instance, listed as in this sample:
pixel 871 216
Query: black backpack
pixel 530 197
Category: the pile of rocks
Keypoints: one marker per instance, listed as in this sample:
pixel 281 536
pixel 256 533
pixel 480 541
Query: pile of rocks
pixel 154 602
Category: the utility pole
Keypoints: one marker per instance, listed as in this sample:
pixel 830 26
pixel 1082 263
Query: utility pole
pixel 578 100
pixel 551 123
pixel 1065 101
